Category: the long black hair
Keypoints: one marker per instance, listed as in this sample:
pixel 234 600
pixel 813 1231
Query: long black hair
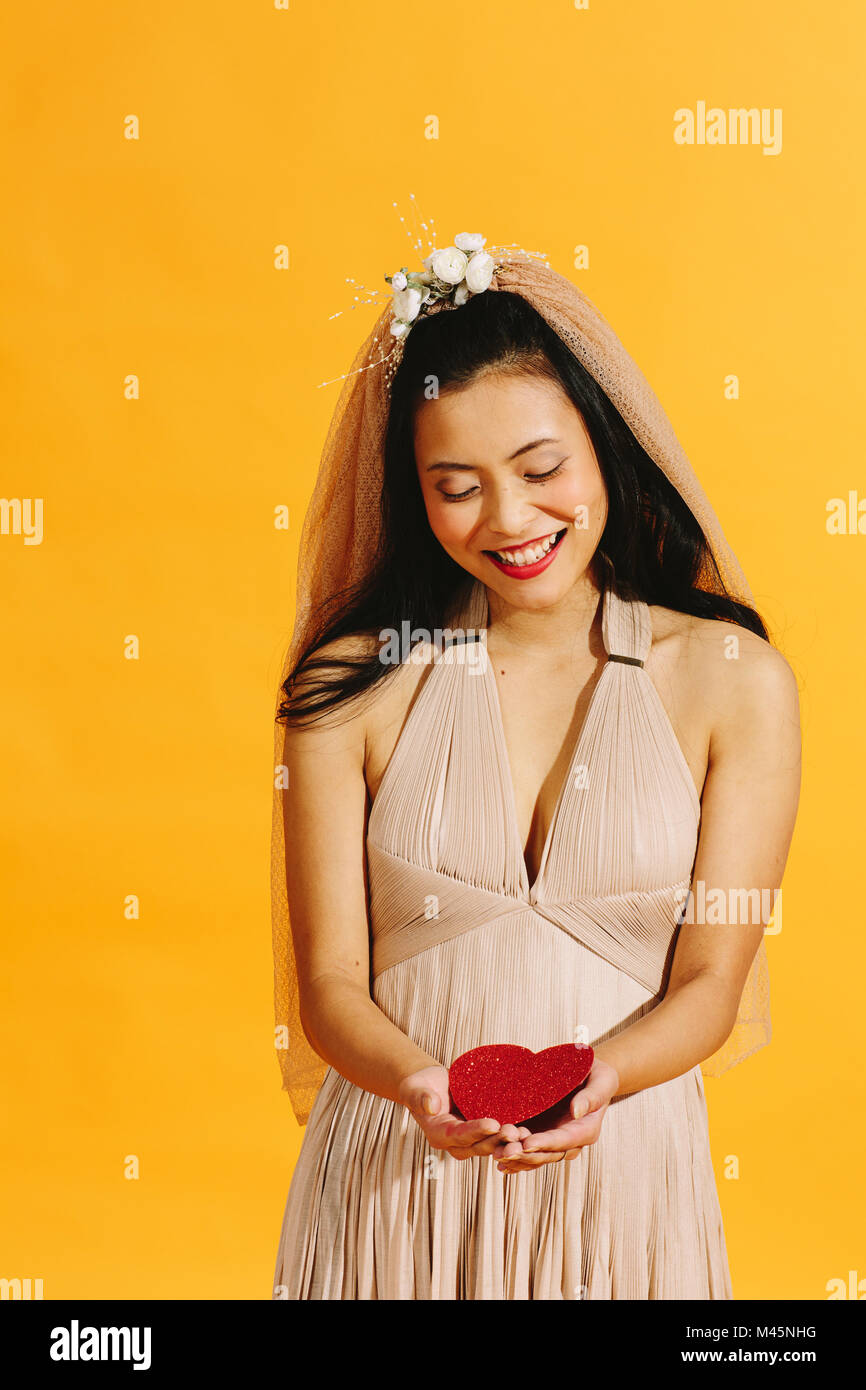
pixel 652 548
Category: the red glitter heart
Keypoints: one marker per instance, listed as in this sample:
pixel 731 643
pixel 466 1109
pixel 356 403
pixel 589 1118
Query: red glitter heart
pixel 512 1084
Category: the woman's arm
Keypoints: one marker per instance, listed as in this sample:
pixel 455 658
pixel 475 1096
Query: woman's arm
pixel 749 805
pixel 326 818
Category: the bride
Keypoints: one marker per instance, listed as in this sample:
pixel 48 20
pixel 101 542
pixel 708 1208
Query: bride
pixel 501 854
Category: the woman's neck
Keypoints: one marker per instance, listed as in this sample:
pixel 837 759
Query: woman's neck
pixel 548 633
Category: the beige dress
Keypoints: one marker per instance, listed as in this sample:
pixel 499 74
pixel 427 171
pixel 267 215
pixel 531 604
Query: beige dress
pixel 465 952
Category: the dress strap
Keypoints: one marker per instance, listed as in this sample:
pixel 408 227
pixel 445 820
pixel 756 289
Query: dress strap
pixel 626 629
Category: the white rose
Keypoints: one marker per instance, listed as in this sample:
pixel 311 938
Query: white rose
pixel 461 294
pixel 399 329
pixel 398 281
pixel 479 271
pixel 406 304
pixel 449 265
pixel 470 241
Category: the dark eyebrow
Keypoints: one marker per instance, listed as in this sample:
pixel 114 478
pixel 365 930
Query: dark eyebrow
pixel 524 448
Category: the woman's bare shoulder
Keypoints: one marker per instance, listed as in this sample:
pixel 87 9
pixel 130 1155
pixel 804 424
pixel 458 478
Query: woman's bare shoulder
pixel 364 729
pixel 325 667
pixel 370 715
pixel 729 664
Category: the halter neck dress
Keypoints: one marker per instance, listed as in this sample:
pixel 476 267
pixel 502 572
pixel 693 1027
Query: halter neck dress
pixel 465 952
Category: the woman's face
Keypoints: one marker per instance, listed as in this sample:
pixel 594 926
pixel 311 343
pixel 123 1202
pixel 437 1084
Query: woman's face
pixel 505 464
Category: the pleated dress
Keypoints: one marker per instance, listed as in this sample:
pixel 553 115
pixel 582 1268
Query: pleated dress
pixel 466 952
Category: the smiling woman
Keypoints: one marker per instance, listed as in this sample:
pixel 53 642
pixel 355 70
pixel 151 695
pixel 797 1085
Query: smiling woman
pixel 497 851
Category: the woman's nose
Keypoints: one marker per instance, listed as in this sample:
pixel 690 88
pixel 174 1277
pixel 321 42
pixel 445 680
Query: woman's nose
pixel 508 514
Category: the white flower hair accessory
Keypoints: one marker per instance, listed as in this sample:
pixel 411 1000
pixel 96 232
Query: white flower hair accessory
pixel 452 273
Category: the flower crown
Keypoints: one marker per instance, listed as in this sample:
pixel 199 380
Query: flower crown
pixel 454 273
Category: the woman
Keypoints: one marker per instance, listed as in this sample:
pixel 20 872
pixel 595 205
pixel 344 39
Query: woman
pixel 528 703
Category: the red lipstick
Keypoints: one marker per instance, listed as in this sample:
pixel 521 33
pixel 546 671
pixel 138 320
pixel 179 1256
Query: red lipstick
pixel 527 571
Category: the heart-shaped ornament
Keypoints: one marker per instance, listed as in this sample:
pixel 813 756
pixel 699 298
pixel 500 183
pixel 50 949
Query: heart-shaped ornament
pixel 512 1084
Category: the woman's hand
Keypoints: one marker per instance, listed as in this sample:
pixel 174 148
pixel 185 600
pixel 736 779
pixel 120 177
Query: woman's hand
pixel 427 1098
pixel 561 1132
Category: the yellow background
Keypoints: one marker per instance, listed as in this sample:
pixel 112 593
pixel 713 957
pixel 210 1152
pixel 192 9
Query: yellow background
pixel 156 257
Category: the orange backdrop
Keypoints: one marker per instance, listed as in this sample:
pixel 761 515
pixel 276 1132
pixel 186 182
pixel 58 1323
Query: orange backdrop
pixel 161 404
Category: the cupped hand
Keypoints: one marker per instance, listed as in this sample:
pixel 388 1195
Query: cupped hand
pixel 561 1132
pixel 428 1099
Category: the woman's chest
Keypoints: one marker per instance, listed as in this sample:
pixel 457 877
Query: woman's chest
pixel 542 712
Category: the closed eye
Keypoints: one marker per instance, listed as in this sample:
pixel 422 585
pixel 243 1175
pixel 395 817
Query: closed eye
pixel 530 478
